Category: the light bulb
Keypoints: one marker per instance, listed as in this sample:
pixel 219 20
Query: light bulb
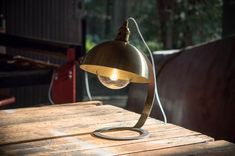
pixel 114 76
pixel 113 82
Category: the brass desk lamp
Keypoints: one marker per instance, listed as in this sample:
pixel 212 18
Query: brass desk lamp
pixel 117 63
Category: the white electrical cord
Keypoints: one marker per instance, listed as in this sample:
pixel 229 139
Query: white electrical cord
pixel 50 87
pixel 51 84
pixel 154 72
pixel 87 87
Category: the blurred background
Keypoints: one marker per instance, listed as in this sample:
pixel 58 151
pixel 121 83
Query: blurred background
pixel 165 24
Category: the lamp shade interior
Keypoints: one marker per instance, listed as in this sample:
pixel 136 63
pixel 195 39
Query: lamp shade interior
pixel 119 60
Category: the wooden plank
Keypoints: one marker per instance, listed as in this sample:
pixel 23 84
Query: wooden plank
pixel 160 131
pixel 39 127
pixel 88 144
pixel 9 113
pixel 82 120
pixel 111 150
pixel 66 130
pixel 32 132
pixel 143 146
pixel 84 114
pixel 21 111
pixel 52 107
pixel 17 116
pixel 217 148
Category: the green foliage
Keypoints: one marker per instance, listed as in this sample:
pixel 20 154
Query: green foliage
pixel 154 46
pixel 192 21
pixel 89 43
pixel 198 21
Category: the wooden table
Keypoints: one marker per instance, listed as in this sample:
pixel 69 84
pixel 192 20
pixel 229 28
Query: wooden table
pixel 66 130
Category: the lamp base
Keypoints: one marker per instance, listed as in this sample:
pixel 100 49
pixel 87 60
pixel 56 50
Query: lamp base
pixel 142 133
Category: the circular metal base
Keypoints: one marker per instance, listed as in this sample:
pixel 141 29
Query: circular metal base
pixel 142 133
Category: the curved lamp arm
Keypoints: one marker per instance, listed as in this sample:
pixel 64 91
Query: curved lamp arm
pixel 149 100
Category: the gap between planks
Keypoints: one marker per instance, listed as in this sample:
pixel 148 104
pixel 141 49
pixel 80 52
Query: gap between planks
pixel 86 148
pixel 30 131
pixel 75 143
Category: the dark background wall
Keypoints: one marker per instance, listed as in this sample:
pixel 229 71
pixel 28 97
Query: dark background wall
pixel 228 17
pixel 59 20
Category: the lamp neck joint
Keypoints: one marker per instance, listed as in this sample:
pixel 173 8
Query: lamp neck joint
pixel 123 33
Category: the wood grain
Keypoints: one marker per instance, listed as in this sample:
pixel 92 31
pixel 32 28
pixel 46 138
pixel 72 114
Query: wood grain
pixel 216 148
pixel 89 144
pixel 37 124
pixel 66 130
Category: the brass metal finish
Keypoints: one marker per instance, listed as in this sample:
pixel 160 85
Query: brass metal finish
pixel 149 100
pixel 128 61
pixel 142 133
pixel 123 33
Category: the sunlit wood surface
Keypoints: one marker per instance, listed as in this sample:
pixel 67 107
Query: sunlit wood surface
pixel 66 130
